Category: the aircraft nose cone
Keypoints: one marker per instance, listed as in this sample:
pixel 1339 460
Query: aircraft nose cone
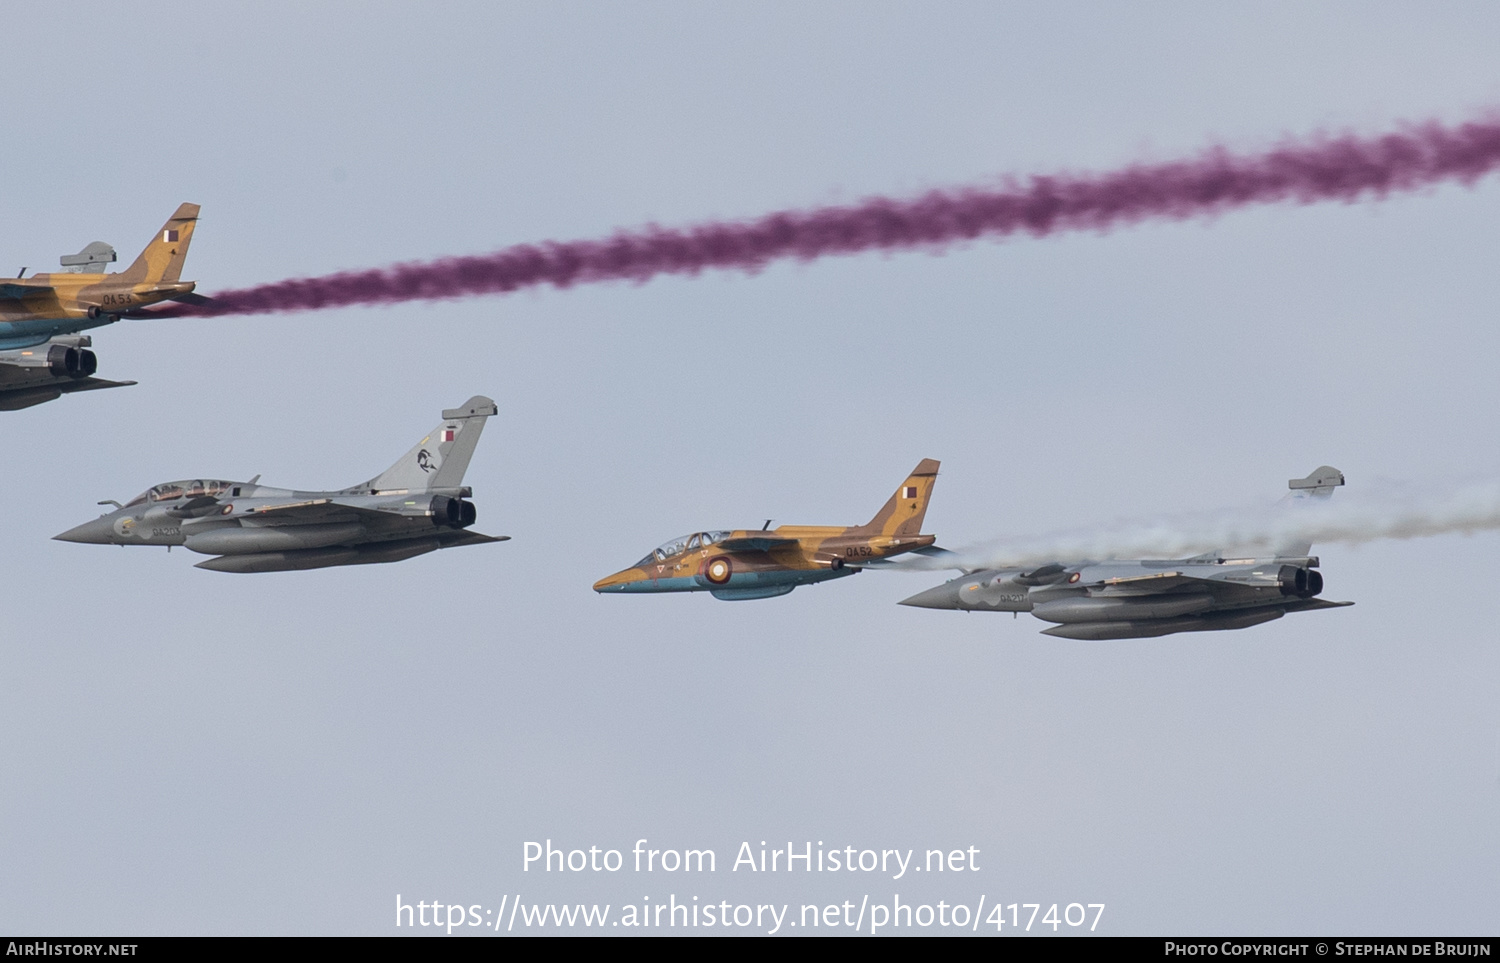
pixel 96 532
pixel 943 596
pixel 618 581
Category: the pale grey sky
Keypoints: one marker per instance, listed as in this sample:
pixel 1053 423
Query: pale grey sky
pixel 191 752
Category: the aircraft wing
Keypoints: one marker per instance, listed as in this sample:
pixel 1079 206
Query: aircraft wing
pixel 320 510
pixel 452 539
pixel 162 309
pixel 756 543
pixel 1138 585
pixel 1305 605
pixel 1174 583
pixel 315 510
pixel 24 396
pixel 931 551
pixel 18 288
pixel 1237 588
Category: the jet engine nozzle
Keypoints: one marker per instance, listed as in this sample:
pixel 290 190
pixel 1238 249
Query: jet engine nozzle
pixel 71 362
pixel 453 512
pixel 1301 582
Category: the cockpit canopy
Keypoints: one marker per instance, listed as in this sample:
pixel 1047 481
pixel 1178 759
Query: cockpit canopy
pixel 171 491
pixel 687 543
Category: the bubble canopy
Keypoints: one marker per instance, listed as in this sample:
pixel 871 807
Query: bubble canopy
pixel 171 491
pixel 685 543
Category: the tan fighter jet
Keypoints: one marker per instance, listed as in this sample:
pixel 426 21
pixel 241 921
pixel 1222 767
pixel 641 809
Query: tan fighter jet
pixel 749 564
pixel 33 310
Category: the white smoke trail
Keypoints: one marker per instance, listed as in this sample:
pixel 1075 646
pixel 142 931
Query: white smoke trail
pixel 1396 512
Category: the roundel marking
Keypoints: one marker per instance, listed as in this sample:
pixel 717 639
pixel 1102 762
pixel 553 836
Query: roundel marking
pixel 1073 578
pixel 227 509
pixel 717 570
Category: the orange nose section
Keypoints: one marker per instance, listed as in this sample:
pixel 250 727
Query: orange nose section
pixel 620 581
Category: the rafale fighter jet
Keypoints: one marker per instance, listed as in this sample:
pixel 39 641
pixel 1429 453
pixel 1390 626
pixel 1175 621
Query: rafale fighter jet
pixel 31 376
pixel 36 309
pixel 1136 599
pixel 747 564
pixel 414 507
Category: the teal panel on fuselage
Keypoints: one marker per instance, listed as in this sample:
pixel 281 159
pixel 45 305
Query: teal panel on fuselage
pixel 766 578
pixel 28 334
pixel 738 582
pixel 746 594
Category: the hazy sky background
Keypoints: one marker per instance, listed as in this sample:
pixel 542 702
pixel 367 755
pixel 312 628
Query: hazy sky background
pixel 191 752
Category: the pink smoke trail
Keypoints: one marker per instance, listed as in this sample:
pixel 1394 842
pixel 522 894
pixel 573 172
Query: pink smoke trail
pixel 1320 168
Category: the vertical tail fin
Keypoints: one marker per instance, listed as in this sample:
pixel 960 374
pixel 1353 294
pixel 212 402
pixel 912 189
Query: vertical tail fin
pixel 162 259
pixel 903 513
pixel 440 459
pixel 1320 484
pixel 1317 486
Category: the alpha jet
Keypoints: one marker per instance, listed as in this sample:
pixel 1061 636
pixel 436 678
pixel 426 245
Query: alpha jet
pixel 416 506
pixel 749 564
pixel 1141 598
pixel 36 309
pixel 41 355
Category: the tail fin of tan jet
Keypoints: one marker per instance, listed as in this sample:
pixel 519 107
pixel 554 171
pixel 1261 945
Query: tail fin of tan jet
pixel 903 513
pixel 440 459
pixel 162 259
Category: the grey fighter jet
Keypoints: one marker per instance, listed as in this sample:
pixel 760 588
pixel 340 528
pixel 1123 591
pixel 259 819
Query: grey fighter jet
pixel 32 376
pixel 1141 598
pixel 414 507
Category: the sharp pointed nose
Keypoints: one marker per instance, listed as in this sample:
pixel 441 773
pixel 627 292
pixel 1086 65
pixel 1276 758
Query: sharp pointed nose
pixel 620 581
pixel 96 532
pixel 943 596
